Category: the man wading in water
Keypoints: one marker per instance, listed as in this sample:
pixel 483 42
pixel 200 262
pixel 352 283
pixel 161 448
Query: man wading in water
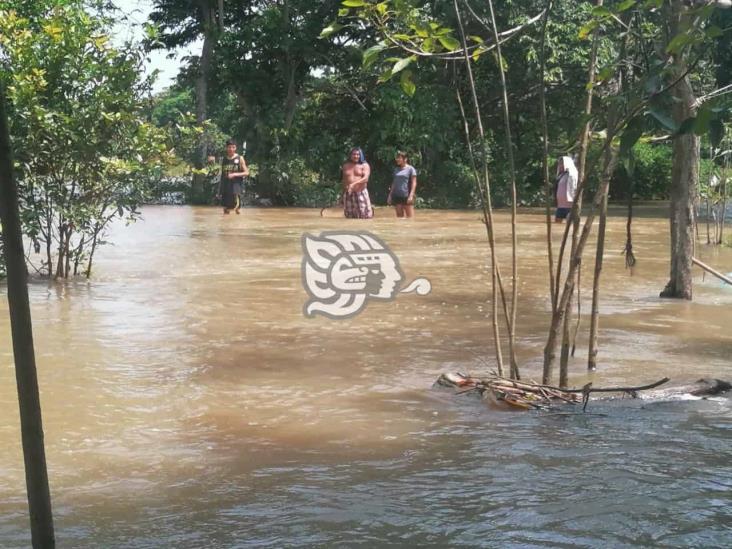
pixel 233 171
pixel 355 177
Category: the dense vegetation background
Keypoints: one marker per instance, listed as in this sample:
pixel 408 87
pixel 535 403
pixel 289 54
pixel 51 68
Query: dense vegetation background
pixel 300 82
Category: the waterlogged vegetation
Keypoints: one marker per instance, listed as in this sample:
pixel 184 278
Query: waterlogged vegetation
pixel 483 97
pixel 299 82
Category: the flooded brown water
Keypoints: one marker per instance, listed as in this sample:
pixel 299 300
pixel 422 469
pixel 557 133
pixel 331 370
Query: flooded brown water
pixel 189 403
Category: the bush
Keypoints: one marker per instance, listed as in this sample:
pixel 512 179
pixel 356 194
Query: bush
pixel 292 183
pixel 451 186
pixel 651 177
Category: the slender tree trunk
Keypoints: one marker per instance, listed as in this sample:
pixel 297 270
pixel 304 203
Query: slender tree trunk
pixel 198 194
pixel 91 254
pixel 487 219
pixel 77 254
pixel 61 247
pixel 548 184
pixel 723 213
pixel 595 316
pixel 684 183
pixel 485 195
pixel 49 238
pixel 67 254
pixel 514 199
pixel 293 97
pixel 600 252
pixel 609 161
pixel 575 213
pixel 31 424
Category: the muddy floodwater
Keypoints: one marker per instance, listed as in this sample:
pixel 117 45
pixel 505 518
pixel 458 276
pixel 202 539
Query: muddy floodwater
pixel 188 402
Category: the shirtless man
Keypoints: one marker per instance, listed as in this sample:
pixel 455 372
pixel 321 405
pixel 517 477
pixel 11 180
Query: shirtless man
pixel 355 178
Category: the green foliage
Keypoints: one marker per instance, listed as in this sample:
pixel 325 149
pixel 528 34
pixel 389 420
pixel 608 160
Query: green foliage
pixel 651 173
pixel 84 151
pixel 292 183
pixel 303 83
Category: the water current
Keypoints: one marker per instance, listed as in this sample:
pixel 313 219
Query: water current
pixel 188 402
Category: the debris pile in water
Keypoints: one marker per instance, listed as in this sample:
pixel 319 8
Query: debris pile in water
pixel 509 393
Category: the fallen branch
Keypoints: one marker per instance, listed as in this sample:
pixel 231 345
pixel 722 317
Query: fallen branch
pixel 616 389
pixel 708 269
pixel 526 395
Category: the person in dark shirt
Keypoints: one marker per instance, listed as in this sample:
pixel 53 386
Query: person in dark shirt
pixel 403 186
pixel 233 171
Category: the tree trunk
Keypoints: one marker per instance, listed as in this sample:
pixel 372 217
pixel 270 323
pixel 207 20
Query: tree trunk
pixel 199 179
pixel 595 315
pixel 60 258
pixel 549 187
pixel 723 215
pixel 484 191
pixel 31 424
pixel 684 183
pixel 610 159
pixel 565 315
pixel 514 199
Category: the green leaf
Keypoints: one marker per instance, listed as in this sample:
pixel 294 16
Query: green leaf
pixel 716 132
pixel 478 52
pixel 703 117
pixel 632 133
pixel 601 11
pixel 330 29
pixel 587 29
pixel 678 42
pixel 371 54
pixel 385 76
pixel 625 5
pixel 605 73
pixel 407 83
pixel 687 126
pixel 629 163
pixel 665 120
pixel 354 3
pixel 402 64
pixel 714 32
pixel 343 12
pixel 449 43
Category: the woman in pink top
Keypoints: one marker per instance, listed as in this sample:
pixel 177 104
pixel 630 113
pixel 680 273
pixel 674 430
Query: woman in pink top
pixel 566 187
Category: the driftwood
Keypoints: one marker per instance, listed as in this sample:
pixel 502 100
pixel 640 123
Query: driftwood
pixel 524 395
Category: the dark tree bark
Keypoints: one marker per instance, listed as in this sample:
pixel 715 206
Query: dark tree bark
pixel 34 454
pixel 684 175
pixel 204 69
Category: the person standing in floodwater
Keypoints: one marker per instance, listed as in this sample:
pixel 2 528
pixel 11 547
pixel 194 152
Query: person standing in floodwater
pixel 355 175
pixel 233 171
pixel 566 184
pixel 403 186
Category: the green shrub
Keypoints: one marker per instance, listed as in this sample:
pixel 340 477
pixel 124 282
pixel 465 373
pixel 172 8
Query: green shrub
pixel 651 178
pixel 292 183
